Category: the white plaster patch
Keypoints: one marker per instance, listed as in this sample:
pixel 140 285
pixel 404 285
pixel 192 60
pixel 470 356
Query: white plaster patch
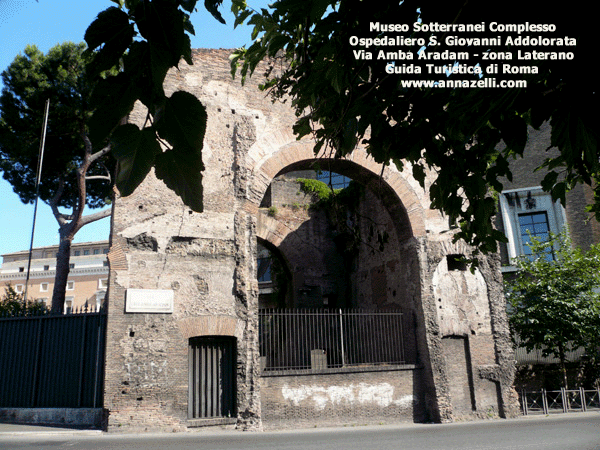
pixel 381 394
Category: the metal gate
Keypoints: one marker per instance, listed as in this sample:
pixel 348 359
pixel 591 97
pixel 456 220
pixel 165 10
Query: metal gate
pixel 212 388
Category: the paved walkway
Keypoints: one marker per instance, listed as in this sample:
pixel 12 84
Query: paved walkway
pixel 14 429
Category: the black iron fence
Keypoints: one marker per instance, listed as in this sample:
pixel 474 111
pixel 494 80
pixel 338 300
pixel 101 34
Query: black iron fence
pixel 559 401
pixel 315 339
pixel 52 360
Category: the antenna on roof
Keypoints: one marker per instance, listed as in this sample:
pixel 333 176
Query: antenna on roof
pixel 37 194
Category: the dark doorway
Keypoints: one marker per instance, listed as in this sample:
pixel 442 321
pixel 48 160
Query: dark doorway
pixel 212 374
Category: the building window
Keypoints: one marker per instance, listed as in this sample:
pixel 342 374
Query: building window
pixel 71 266
pixel 21 269
pixel 43 301
pixel 20 288
pixel 102 283
pixel 86 252
pixel 46 267
pixel 105 263
pixel 70 285
pixel 336 180
pixel 77 253
pixel 535 225
pixel 69 305
pixel 105 251
pixel 44 287
pixel 529 212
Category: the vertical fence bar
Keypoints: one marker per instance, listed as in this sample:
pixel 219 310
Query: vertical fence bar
pixel 544 401
pixel 524 401
pixel 81 360
pixel 38 341
pixel 343 359
pixel 191 384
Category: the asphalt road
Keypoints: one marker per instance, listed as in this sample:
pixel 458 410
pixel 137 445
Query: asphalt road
pixel 579 431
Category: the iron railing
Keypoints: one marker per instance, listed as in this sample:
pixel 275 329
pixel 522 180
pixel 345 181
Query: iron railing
pixel 316 339
pixel 560 401
pixel 52 360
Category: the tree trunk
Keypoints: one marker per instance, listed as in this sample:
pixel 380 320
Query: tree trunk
pixel 63 259
pixel 563 365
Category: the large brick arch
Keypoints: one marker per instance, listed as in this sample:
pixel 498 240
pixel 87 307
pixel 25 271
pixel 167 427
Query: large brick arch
pixel 397 194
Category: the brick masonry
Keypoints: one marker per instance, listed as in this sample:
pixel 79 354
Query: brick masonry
pixel 208 260
pixel 343 398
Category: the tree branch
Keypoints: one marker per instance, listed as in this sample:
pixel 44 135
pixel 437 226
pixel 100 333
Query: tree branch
pixel 61 218
pixel 97 177
pixel 99 154
pixel 95 216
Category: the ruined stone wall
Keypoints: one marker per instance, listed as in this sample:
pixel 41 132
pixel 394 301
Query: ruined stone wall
pixel 208 261
pixel 386 273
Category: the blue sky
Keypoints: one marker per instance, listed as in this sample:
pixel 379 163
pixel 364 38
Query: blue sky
pixel 50 22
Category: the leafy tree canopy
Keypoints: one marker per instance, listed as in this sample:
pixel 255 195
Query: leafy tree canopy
pixel 75 173
pixel 554 300
pixel 29 81
pixel 465 136
pixel 12 304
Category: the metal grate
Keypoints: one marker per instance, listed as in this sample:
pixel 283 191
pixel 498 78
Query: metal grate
pixel 212 362
pixel 52 360
pixel 298 339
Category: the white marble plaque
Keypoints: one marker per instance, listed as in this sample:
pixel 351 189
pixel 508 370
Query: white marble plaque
pixel 149 301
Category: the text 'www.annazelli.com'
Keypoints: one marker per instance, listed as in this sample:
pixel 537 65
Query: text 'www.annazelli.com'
pixel 484 83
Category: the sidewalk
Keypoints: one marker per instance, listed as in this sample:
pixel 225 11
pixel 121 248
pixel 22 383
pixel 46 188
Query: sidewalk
pixel 16 429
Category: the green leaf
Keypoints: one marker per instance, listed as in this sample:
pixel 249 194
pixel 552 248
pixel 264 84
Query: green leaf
pixel 241 17
pixel 109 23
pixel 419 173
pixel 183 122
pixel 135 150
pixel 114 98
pixel 182 172
pixel 162 25
pixel 188 5
pixel 212 7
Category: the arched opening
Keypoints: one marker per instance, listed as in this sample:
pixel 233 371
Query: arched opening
pixel 346 246
pixel 274 277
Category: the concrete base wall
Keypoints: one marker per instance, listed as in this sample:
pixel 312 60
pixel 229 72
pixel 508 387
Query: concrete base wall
pixel 75 417
pixel 340 398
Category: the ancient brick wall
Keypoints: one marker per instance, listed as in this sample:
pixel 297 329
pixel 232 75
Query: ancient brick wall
pixel 208 262
pixel 328 399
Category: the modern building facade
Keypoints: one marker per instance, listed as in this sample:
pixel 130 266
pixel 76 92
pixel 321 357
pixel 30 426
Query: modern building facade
pixel 525 207
pixel 88 276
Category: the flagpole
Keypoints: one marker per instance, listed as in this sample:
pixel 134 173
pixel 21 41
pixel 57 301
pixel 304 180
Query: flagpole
pixel 37 195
